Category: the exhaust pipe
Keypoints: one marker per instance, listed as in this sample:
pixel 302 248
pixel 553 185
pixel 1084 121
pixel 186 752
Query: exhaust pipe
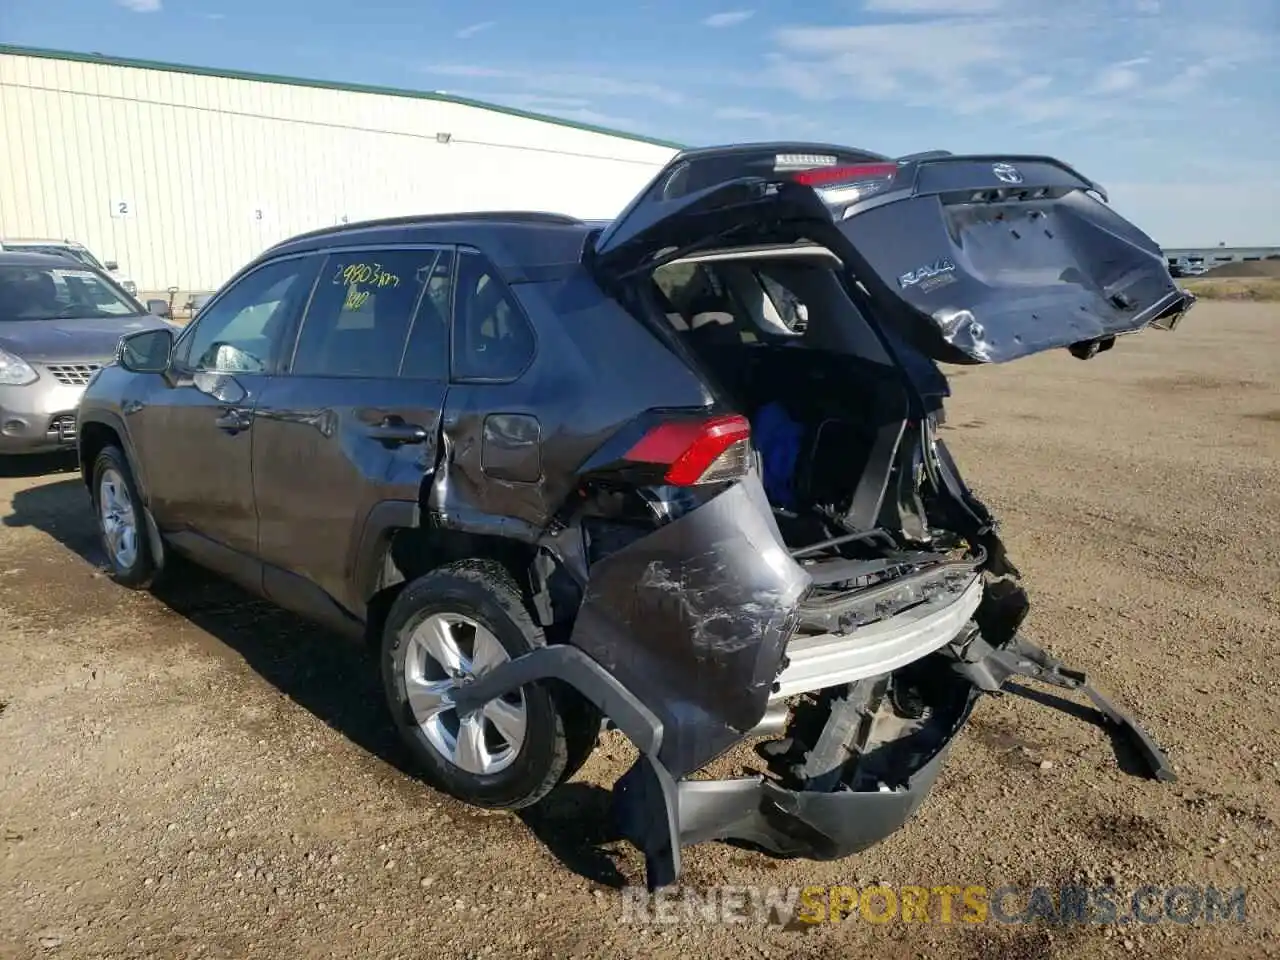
pixel 774 721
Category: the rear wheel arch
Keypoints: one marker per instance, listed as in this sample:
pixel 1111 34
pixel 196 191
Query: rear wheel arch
pixel 407 552
pixel 563 726
pixel 412 554
pixel 395 549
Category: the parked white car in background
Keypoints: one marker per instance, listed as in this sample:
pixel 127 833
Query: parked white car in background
pixel 75 250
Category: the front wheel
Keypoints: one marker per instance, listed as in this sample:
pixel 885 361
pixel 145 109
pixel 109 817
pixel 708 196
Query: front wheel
pixel 122 525
pixel 445 629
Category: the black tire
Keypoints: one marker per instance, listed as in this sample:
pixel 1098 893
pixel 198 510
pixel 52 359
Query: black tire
pixel 141 571
pixel 582 730
pixel 582 719
pixel 485 593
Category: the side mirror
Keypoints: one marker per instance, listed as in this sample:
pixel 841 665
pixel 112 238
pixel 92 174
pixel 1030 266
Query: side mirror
pixel 111 266
pixel 158 308
pixel 147 351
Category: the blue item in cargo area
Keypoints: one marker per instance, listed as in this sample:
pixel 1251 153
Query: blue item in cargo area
pixel 778 438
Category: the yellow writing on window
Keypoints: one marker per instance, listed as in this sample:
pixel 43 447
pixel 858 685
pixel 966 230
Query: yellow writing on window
pixel 366 274
pixel 355 298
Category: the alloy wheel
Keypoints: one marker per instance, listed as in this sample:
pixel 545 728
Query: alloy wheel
pixel 447 651
pixel 118 518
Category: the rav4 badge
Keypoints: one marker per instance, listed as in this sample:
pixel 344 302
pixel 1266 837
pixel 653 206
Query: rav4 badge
pixel 938 267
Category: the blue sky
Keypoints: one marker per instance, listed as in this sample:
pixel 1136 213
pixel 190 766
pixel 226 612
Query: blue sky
pixel 1173 105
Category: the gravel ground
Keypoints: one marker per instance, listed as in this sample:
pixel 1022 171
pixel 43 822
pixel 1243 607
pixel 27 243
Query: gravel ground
pixel 194 774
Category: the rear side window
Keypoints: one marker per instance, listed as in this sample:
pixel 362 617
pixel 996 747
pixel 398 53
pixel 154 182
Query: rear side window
pixel 492 338
pixel 361 313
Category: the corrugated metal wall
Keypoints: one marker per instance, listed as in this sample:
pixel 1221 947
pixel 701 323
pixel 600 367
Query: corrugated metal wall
pixel 183 178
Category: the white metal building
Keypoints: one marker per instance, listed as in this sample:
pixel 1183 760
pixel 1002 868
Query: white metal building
pixel 182 174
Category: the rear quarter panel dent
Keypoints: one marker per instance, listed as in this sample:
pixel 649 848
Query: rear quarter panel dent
pixel 694 618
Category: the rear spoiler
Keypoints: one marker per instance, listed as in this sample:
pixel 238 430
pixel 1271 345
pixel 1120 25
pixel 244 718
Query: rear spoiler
pixel 939 172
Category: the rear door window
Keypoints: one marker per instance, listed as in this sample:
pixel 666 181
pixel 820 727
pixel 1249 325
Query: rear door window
pixel 426 356
pixel 362 311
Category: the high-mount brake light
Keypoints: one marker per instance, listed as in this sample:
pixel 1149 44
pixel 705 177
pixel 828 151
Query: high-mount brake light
pixel 802 161
pixel 697 451
pixel 840 186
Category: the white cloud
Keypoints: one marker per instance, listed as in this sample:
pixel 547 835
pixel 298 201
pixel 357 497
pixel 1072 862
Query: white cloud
pixel 743 113
pixel 1027 65
pixel 578 109
pixel 1119 77
pixel 949 7
pixel 466 33
pixel 469 70
pixel 729 18
pixel 1194 214
pixel 1147 6
pixel 565 84
pixel 531 101
pixel 141 6
pixel 932 59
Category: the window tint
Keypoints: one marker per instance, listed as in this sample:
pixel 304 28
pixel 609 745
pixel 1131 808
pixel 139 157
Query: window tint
pixel 729 302
pixel 426 357
pixel 360 314
pixel 492 338
pixel 241 332
pixel 788 309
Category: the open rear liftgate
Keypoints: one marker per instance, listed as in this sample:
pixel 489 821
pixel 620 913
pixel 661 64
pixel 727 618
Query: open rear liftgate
pixel 971 260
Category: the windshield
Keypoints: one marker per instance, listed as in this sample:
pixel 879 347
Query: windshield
pixel 52 293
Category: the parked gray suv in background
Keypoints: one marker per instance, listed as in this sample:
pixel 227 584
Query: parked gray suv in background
pixel 60 321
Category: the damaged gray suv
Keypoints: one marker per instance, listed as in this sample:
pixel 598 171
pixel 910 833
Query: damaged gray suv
pixel 680 472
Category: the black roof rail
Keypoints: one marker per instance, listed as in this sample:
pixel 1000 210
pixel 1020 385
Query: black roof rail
pixel 408 220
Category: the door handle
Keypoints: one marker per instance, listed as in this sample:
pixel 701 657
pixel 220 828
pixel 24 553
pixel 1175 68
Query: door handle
pixel 393 430
pixel 233 421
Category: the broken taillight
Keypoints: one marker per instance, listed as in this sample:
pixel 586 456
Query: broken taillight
pixel 841 186
pixel 697 451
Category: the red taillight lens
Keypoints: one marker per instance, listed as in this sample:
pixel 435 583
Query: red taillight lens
pixel 822 176
pixel 844 185
pixel 697 451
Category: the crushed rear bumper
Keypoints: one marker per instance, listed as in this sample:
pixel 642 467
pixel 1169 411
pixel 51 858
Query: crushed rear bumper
pixel 661 814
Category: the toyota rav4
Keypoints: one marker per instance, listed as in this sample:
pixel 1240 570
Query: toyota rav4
pixel 681 472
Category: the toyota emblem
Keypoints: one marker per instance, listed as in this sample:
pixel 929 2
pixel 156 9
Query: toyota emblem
pixel 1006 173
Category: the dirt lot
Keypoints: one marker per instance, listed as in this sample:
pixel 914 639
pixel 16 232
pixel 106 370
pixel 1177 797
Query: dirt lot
pixel 195 774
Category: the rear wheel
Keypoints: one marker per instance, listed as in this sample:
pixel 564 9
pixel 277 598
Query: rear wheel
pixel 444 630
pixel 121 521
